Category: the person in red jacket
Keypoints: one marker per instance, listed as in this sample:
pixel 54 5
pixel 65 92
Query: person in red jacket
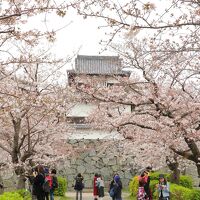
pixel 49 182
pixel 95 187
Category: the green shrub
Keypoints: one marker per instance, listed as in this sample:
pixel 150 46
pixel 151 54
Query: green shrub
pixel 181 193
pixel 153 184
pixel 24 193
pixel 133 186
pixel 155 175
pixel 186 181
pixel 16 195
pixel 177 192
pixel 62 185
pixel 11 196
pixel 196 194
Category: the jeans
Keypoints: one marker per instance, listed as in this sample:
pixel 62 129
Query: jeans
pixel 51 195
pixel 77 192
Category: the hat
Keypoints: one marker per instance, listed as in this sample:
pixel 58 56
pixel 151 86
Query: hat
pixel 116 178
pixel 161 176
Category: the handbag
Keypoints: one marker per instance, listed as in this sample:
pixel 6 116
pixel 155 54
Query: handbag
pixel 112 192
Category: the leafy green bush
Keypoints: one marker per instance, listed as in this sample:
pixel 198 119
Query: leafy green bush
pixel 182 193
pixel 186 181
pixel 11 196
pixel 133 186
pixel 178 192
pixel 196 194
pixel 155 175
pixel 62 185
pixel 24 193
pixel 16 195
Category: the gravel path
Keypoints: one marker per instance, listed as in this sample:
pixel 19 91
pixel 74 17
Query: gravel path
pixel 89 196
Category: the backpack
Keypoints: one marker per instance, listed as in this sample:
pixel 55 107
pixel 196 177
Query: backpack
pixel 79 184
pixel 45 186
pixel 55 183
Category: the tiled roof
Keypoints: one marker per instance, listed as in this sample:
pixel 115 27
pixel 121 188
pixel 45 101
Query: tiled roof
pixel 98 65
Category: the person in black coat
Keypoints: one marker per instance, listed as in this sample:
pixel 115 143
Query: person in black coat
pixel 38 183
pixel 118 188
pixel 111 185
pixel 79 186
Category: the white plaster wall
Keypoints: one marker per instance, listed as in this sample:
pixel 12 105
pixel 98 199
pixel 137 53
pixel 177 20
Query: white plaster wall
pixel 81 110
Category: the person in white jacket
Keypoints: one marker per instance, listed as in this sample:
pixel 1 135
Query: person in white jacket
pixel 100 184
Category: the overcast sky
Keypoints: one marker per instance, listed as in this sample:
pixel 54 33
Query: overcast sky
pixel 78 34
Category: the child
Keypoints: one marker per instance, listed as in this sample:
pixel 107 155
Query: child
pixel 163 188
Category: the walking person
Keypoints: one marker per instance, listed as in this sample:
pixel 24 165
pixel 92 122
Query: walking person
pixel 118 188
pixel 163 188
pixel 95 188
pixel 111 188
pixel 79 186
pixel 100 184
pixel 38 183
pixel 54 183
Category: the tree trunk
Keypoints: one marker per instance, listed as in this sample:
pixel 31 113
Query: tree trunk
pixel 175 176
pixel 173 166
pixel 193 154
pixel 20 172
pixel 198 170
pixel 21 182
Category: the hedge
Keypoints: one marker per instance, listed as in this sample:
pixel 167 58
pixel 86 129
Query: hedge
pixel 24 193
pixel 62 186
pixel 183 191
pixel 16 195
pixel 11 196
pixel 185 181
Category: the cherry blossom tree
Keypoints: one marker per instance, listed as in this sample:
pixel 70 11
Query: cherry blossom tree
pixel 26 22
pixel 33 103
pixel 33 109
pixel 159 43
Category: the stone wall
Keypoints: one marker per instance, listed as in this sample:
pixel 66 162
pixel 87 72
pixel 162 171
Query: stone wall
pixel 97 156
